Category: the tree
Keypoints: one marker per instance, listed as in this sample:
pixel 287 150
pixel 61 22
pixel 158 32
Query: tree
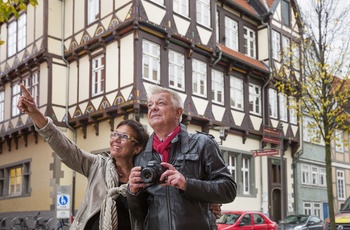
pixel 12 7
pixel 322 89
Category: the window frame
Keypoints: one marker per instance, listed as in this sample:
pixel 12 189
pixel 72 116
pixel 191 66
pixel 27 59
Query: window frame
pixel 217 86
pixel 341 192
pixel 153 57
pixel 6 183
pixel 231 33
pixel 249 42
pixel 93 11
pixel 15 94
pixel 339 143
pixel 17 35
pixel 285 13
pixel 199 78
pixel 273 103
pixel 283 106
pixel 203 16
pixel 2 105
pixel 178 66
pixel 181 7
pixel 236 93
pixel 254 105
pixel 276 45
pixel 98 75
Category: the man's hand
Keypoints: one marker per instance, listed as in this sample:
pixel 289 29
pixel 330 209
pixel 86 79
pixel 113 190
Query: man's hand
pixel 216 210
pixel 172 177
pixel 135 181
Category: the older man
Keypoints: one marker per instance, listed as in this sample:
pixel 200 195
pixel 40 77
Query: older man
pixel 179 174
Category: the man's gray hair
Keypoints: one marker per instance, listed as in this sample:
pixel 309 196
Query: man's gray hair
pixel 174 96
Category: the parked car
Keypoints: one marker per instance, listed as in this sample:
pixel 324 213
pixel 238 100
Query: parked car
pixel 251 220
pixel 301 222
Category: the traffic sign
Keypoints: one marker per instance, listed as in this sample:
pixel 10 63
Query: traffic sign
pixel 63 201
pixel 265 152
pixel 271 135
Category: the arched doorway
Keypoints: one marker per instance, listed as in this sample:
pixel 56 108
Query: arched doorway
pixel 276 204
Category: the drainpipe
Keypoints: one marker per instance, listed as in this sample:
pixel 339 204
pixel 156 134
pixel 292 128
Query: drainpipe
pixel 264 101
pixel 67 104
pixel 220 55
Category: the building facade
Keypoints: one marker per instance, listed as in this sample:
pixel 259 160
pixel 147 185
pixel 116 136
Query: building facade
pixel 89 64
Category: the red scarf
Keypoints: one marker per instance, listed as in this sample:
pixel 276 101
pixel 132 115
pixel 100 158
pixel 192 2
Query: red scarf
pixel 164 147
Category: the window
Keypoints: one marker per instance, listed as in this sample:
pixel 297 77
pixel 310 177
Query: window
pixel 17 35
pixel 241 167
pixel 276 45
pixel 254 99
pixel 273 103
pixel 322 177
pixel 286 50
pixel 283 107
pixel 32 85
pixel 339 143
pixel 151 61
pixel 176 70
pixel 285 12
pixel 181 7
pixel 217 27
pixel 16 90
pixel 217 88
pixel 236 93
pixel 231 34
pixel 311 132
pixel 93 11
pixel 2 106
pixel 311 208
pixel 293 110
pixel 232 166
pixel 296 56
pixel 199 78
pixel 313 175
pixel 340 185
pixel 305 174
pixel 98 75
pixel 35 87
pixel 249 42
pixel 203 12
pixel 245 175
pixel 15 179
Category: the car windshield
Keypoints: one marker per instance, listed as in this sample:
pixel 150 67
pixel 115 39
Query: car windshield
pixel 296 219
pixel 228 218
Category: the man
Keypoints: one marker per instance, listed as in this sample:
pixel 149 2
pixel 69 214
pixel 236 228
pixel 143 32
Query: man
pixel 192 171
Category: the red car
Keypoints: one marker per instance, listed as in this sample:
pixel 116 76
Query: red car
pixel 230 220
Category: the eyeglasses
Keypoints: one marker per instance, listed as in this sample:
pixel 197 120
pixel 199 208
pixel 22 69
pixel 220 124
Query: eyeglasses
pixel 122 136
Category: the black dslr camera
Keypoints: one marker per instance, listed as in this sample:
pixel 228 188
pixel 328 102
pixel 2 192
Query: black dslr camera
pixel 152 172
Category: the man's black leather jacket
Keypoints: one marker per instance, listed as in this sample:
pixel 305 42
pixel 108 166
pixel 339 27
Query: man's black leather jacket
pixel 198 158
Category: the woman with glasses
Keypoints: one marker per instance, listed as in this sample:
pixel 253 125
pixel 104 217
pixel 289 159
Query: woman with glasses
pixel 104 205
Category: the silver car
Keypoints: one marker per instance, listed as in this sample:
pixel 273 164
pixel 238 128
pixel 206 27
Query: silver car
pixel 301 222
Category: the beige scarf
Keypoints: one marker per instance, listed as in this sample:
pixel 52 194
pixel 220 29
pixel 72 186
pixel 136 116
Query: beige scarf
pixel 108 214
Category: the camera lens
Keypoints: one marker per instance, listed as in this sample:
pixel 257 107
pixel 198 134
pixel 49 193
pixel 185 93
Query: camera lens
pixel 148 175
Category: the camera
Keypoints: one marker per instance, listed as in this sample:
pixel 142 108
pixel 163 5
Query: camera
pixel 152 172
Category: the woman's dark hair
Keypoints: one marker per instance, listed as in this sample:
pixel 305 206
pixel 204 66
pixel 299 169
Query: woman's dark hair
pixel 142 135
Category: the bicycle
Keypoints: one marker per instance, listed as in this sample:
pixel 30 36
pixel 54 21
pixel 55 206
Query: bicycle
pixel 4 223
pixel 29 223
pixel 18 223
pixel 57 224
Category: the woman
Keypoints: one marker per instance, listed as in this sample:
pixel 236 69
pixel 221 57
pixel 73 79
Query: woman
pixel 104 205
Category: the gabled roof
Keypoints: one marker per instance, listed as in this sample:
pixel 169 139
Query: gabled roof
pixel 251 62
